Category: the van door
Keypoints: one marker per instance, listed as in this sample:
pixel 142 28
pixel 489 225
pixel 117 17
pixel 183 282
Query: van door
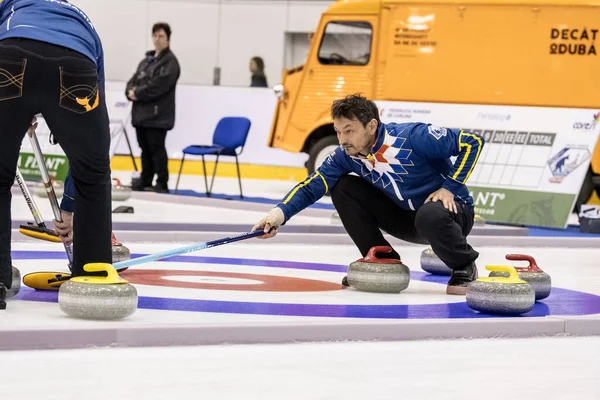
pixel 341 62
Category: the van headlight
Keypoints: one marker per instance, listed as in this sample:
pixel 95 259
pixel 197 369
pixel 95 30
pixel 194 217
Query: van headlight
pixel 279 91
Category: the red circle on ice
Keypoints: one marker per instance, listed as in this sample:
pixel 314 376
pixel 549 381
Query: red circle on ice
pixel 249 282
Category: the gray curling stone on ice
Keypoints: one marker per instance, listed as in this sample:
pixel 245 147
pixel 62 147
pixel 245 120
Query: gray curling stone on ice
pixel 479 220
pixel 379 275
pixel 98 297
pixel 119 251
pixel 120 192
pixel 16 283
pixel 39 189
pixel 432 263
pixel 501 295
pixel 532 274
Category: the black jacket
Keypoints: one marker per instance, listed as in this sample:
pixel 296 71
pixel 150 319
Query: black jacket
pixel 154 82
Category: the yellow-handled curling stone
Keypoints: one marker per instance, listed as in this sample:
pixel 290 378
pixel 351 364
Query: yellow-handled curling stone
pixel 501 295
pixel 98 297
pixel 532 274
pixel 379 275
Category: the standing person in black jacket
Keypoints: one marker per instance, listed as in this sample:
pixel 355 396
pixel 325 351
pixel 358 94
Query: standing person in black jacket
pixel 152 91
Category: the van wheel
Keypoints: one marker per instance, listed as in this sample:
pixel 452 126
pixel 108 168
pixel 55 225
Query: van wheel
pixel 319 152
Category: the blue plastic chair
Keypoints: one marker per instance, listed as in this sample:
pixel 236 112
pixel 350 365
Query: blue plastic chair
pixel 230 134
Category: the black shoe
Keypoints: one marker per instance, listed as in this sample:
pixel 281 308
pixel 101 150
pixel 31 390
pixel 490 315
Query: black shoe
pixel 345 281
pixel 460 279
pixel 138 186
pixel 161 188
pixel 2 296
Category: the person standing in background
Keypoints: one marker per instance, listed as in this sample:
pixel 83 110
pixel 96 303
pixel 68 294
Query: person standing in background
pixel 152 91
pixel 257 68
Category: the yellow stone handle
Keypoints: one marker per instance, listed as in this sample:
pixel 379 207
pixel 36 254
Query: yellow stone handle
pixel 111 278
pixel 513 274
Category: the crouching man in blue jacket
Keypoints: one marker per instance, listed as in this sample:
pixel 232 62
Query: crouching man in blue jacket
pixel 406 185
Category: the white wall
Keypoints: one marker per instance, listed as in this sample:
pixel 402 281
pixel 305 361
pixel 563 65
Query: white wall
pixel 199 108
pixel 206 34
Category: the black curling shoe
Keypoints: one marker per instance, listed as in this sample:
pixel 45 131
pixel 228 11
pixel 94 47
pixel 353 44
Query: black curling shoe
pixel 2 296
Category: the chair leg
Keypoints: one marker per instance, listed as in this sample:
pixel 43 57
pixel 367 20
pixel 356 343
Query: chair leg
pixel 205 180
pixel 214 173
pixel 179 175
pixel 237 164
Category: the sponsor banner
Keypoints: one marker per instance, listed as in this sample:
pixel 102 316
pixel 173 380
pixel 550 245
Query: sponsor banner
pixel 522 207
pixel 533 153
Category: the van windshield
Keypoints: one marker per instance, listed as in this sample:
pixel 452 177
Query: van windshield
pixel 346 43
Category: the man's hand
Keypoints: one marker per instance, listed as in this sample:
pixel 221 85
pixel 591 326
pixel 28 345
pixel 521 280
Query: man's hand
pixel 272 220
pixel 65 228
pixel 446 197
pixel 131 95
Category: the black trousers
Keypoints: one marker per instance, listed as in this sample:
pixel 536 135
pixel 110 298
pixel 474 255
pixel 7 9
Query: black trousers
pixel 154 155
pixel 62 85
pixel 366 211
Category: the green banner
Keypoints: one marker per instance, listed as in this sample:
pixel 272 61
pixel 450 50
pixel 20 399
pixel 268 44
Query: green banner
pixel 58 166
pixel 523 207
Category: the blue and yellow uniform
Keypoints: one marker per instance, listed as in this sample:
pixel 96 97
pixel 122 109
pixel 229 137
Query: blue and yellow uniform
pixel 408 162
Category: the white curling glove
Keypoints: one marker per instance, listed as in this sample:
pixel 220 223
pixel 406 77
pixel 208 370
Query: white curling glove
pixel 273 219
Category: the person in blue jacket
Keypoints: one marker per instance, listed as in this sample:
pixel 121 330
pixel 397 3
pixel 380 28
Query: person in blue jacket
pixel 404 184
pixel 52 62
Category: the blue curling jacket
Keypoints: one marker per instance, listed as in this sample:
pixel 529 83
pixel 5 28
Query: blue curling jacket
pixel 55 22
pixel 408 162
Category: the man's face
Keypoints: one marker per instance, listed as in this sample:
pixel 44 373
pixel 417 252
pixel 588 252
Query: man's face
pixel 353 136
pixel 160 40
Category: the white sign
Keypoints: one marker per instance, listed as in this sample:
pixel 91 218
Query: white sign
pixel 526 148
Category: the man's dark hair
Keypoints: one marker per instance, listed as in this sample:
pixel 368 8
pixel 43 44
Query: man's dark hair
pixel 355 106
pixel 164 26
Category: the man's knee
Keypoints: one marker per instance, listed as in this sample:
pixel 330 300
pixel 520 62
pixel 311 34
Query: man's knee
pixel 429 216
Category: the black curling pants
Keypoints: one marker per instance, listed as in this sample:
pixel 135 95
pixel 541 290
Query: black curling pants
pixel 366 211
pixel 63 86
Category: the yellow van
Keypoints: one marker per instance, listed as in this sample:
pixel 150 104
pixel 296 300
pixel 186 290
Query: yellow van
pixel 526 54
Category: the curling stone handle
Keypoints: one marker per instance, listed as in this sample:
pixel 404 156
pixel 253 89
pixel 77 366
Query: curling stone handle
pixel 513 274
pixel 118 181
pixel 533 267
pixel 111 278
pixel 372 255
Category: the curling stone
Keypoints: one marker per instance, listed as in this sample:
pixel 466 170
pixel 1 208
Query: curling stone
pixel 120 192
pixel 40 189
pixel 98 297
pixel 379 275
pixel 335 219
pixel 479 220
pixel 119 252
pixel 541 281
pixel 16 283
pixel 501 295
pixel 432 263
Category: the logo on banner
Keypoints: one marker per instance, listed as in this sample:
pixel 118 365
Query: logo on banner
pixel 588 126
pixel 566 161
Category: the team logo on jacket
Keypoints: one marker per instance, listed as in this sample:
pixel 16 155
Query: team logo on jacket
pixel 436 131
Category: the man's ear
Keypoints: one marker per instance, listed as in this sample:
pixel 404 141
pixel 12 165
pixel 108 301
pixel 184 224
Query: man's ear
pixel 373 125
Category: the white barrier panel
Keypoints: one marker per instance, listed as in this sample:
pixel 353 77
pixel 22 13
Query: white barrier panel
pixel 534 161
pixel 199 108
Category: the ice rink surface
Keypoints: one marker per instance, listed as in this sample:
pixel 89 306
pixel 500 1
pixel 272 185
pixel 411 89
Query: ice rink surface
pixel 270 320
